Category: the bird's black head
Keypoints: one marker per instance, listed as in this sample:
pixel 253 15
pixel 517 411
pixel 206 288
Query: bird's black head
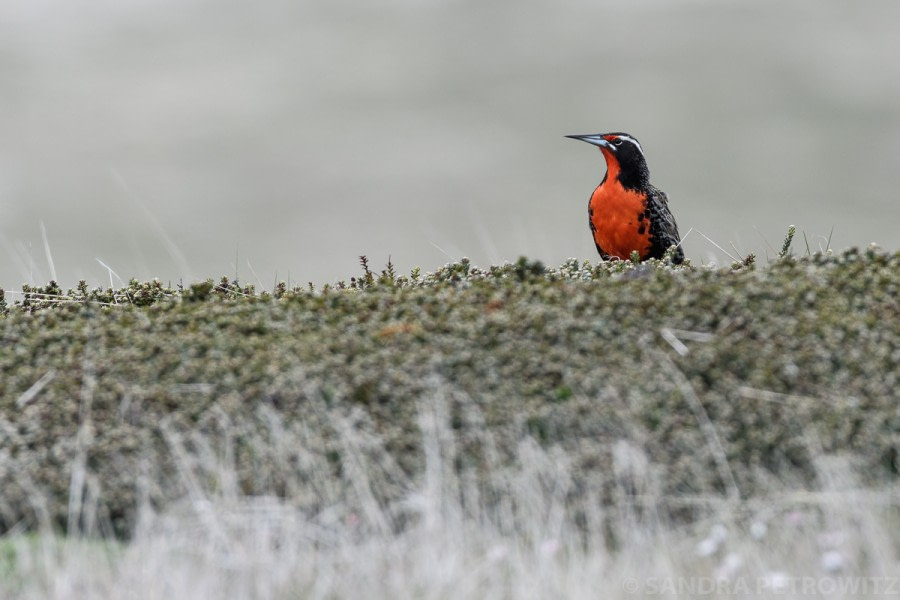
pixel 624 157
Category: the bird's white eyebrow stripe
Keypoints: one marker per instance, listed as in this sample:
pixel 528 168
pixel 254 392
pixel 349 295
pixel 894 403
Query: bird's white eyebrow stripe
pixel 632 140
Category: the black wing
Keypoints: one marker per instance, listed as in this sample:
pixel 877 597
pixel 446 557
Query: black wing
pixel 663 229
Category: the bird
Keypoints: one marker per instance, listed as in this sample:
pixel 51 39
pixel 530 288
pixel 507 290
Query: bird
pixel 625 212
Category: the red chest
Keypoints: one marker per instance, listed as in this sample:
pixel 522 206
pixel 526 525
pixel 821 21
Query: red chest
pixel 618 220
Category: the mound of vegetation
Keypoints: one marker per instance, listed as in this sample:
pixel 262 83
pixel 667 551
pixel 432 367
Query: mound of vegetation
pixel 653 381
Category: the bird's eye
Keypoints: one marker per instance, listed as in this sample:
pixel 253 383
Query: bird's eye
pixel 617 141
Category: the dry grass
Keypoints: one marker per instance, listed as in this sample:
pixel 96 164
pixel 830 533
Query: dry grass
pixel 444 539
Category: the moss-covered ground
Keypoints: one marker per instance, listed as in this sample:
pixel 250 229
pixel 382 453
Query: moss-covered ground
pixel 730 383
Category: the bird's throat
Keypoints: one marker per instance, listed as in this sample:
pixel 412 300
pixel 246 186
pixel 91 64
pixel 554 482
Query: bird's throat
pixel 612 165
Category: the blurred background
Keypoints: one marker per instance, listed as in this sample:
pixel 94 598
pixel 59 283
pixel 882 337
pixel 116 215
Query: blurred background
pixel 185 139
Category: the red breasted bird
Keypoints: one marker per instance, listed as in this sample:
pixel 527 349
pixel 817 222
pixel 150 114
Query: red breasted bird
pixel 625 212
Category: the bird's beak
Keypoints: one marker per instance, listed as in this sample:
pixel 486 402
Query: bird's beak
pixel 596 139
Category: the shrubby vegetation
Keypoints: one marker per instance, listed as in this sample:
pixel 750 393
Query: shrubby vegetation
pixel 727 383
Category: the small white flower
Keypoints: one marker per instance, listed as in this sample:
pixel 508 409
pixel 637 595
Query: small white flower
pixel 832 561
pixel 758 530
pixel 719 532
pixel 549 548
pixel 707 547
pixel 710 545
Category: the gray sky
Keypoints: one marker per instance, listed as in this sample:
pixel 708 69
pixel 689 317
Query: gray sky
pixel 165 138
